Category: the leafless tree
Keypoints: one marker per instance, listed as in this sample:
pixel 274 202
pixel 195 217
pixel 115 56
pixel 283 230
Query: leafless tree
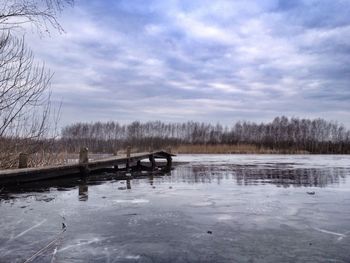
pixel 40 14
pixel 25 106
pixel 282 134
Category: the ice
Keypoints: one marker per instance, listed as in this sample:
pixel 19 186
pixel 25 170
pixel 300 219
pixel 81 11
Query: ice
pixel 132 201
pixel 291 161
pixel 220 208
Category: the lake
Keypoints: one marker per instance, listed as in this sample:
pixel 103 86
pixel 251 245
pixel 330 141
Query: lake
pixel 209 208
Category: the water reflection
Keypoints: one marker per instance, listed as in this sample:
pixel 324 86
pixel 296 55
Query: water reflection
pixel 127 187
pixel 83 191
pixel 193 174
pixel 151 180
pixel 293 177
pixel 128 184
pixel 302 177
pixel 82 183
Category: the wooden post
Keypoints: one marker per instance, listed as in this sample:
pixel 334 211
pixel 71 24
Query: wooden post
pixel 169 161
pixel 23 160
pixel 84 156
pixel 138 165
pixel 152 161
pixel 128 153
pixel 84 160
pixel 115 153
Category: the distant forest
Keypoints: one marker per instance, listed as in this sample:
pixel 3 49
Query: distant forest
pixel 282 135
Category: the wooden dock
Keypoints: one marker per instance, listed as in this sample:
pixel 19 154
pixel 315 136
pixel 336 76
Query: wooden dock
pixel 84 167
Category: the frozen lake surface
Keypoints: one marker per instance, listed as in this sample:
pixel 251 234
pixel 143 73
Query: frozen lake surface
pixel 209 208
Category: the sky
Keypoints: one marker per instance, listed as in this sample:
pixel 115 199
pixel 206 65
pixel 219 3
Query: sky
pixel 211 61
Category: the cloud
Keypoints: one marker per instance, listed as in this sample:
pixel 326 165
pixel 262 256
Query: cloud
pixel 200 60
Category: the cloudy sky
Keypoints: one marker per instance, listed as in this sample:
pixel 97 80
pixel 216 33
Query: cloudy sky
pixel 213 61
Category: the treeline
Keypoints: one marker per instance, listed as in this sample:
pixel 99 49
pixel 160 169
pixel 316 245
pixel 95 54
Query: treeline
pixel 282 134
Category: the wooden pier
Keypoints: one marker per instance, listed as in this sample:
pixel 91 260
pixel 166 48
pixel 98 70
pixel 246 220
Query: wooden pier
pixel 84 167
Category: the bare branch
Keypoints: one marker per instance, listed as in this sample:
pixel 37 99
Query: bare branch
pixel 25 105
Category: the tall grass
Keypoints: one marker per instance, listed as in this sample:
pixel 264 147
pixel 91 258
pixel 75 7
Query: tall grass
pixel 231 149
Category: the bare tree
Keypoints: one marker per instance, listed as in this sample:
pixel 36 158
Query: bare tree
pixel 280 135
pixel 40 14
pixel 25 107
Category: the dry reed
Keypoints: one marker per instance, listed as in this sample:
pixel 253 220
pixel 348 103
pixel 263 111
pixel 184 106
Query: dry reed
pixel 231 149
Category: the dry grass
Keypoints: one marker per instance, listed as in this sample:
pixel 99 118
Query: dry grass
pixel 47 158
pixel 231 149
pixel 41 159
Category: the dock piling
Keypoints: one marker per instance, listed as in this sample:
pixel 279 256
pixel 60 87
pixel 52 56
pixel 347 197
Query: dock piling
pixel 138 164
pixel 128 152
pixel 152 161
pixel 84 160
pixel 83 155
pixel 169 161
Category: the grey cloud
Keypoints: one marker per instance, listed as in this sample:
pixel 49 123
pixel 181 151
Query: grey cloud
pixel 171 59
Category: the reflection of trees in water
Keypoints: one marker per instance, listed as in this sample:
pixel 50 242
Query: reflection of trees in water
pixel 291 177
pixel 280 176
pixel 250 175
pixel 199 174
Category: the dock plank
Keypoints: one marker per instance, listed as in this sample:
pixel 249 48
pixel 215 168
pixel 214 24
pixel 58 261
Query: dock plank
pixel 42 173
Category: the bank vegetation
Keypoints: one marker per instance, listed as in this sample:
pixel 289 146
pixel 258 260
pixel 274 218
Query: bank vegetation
pixel 281 135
